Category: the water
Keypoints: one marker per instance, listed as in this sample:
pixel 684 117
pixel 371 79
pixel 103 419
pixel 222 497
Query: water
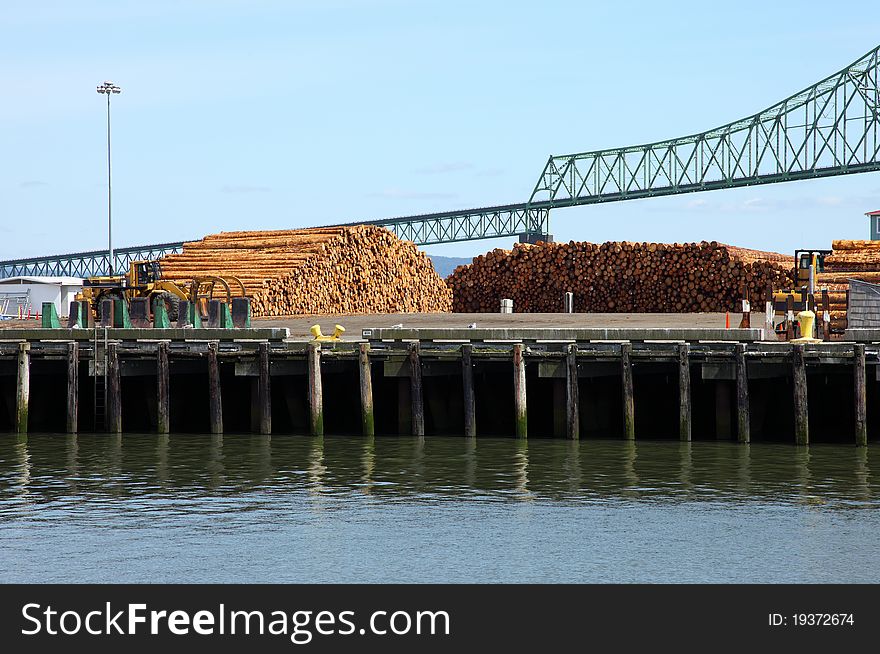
pixel 184 508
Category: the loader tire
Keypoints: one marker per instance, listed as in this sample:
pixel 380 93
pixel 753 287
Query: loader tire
pixel 172 304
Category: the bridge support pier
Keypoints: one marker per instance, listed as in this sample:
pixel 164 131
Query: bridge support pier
pixel 534 237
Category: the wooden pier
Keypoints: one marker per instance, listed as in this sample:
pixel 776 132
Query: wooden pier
pixel 573 384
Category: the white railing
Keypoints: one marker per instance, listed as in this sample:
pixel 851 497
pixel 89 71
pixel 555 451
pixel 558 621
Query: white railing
pixel 14 305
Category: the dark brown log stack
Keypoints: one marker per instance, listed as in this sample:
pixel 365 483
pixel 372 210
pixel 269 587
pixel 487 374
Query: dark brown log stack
pixel 333 270
pixel 619 277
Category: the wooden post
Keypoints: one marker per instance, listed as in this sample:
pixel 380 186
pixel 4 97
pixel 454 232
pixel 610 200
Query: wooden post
pixel 860 399
pixel 826 315
pixel 23 388
pixel 368 422
pixel 114 390
pixel 743 430
pixel 519 392
pixel 415 385
pixel 163 393
pixel 572 421
pixel 467 380
pixel 629 416
pixel 684 392
pixel 316 396
pixel 801 424
pixel 265 391
pixel 72 386
pixel 214 395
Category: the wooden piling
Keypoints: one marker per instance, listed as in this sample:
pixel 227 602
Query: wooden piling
pixel 860 394
pixel 519 392
pixel 801 423
pixel 264 390
pixel 684 392
pixel 163 394
pixel 72 386
pixel 23 388
pixel 114 390
pixel 572 417
pixel 467 379
pixel 629 417
pixel 316 396
pixel 743 429
pixel 415 384
pixel 215 399
pixel 368 422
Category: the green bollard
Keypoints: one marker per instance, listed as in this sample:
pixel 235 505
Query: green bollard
pixel 50 316
pixel 120 314
pixel 160 314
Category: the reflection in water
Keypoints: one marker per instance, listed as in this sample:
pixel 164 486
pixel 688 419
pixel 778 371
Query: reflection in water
pixel 316 467
pixel 685 467
pixel 368 463
pixel 71 447
pixel 862 474
pixel 470 462
pixel 214 466
pixel 630 454
pixel 743 469
pixel 149 508
pixel 521 468
pixel 163 442
pixel 58 468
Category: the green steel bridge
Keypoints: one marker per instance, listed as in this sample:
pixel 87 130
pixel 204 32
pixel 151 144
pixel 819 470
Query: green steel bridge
pixel 830 128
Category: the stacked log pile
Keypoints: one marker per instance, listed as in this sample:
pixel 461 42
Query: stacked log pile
pixel 850 260
pixel 619 277
pixel 333 270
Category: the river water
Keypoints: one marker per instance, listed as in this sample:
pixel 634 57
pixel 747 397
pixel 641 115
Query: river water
pixel 184 508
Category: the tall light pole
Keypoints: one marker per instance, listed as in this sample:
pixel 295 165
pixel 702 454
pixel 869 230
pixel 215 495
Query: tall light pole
pixel 109 88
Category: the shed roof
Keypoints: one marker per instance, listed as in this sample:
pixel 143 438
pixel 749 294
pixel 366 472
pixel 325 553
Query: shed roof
pixel 873 213
pixel 55 281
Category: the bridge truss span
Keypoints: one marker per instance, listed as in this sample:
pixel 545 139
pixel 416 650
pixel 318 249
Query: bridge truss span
pixel 523 220
pixel 85 264
pixel 831 128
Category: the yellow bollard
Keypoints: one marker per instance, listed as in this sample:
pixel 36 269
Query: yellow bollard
pixel 317 335
pixel 806 320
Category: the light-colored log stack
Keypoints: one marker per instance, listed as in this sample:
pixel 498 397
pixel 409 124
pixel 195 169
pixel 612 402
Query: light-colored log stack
pixel 332 270
pixel 619 277
pixel 851 259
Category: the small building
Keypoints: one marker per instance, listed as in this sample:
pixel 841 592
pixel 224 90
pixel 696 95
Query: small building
pixel 31 292
pixel 874 217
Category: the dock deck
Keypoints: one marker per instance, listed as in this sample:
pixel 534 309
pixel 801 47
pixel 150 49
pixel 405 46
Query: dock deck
pixel 679 383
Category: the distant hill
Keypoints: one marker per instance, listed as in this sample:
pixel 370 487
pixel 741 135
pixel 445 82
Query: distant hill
pixel 445 265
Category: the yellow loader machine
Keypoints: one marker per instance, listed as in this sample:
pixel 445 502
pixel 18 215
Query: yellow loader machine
pixel 144 280
pixel 788 303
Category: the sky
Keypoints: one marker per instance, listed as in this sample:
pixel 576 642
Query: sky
pixel 249 114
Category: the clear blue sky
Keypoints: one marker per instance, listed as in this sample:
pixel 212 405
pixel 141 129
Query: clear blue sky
pixel 247 115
